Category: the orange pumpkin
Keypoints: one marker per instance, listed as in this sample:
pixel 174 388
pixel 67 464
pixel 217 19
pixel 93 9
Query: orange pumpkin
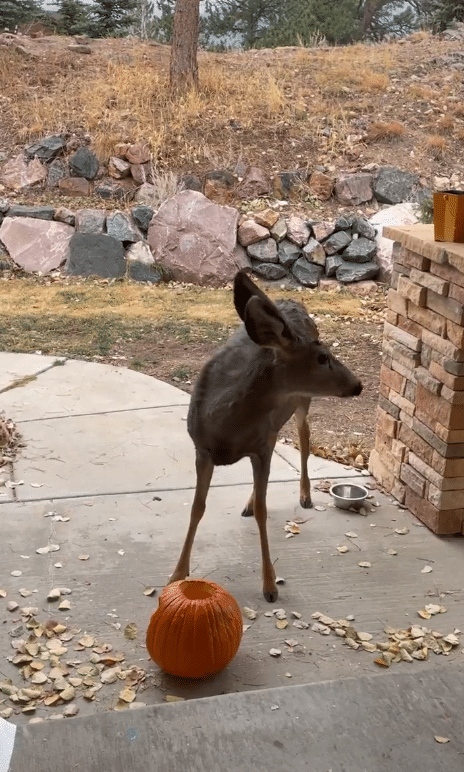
pixel 196 629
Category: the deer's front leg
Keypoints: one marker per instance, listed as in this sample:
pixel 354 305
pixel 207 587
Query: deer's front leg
pixel 204 468
pixel 261 467
pixel 304 437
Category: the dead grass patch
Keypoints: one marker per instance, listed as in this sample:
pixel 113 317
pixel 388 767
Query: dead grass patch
pixel 436 146
pixel 392 131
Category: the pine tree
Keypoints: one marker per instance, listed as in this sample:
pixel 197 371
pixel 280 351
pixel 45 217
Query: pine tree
pixel 110 18
pixel 243 20
pixel 16 12
pixel 74 18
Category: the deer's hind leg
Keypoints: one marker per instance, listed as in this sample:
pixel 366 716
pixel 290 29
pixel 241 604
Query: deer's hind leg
pixel 304 434
pixel 248 510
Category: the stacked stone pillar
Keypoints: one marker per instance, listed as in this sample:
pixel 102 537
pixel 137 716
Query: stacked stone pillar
pixel 419 445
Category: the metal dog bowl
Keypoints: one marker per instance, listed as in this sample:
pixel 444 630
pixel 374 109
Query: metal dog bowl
pixel 347 496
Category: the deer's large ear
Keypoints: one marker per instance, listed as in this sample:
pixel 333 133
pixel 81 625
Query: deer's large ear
pixel 244 289
pixel 265 325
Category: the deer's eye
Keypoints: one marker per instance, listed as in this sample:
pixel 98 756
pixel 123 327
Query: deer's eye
pixel 322 359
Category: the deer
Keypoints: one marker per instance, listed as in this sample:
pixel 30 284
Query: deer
pixel 267 372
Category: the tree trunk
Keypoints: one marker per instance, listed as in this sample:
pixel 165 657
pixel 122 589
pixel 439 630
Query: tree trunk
pixel 184 65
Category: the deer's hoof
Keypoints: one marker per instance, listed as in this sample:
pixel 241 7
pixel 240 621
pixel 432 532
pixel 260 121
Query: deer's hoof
pixel 247 512
pixel 271 595
pixel 305 502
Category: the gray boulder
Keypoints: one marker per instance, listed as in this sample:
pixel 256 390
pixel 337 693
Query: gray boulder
pixel 143 272
pixel 90 220
pixel 354 189
pixel 142 215
pixel 121 226
pixel 348 272
pixel 279 230
pixel 288 253
pixel 336 242
pixel 360 251
pixel 306 273
pixel 195 239
pixel 264 251
pixel 56 171
pixel 392 186
pixel 363 228
pixel 331 264
pixel 191 182
pixel 95 254
pixel 37 212
pixel 345 222
pixel 84 163
pixel 46 149
pixel 269 271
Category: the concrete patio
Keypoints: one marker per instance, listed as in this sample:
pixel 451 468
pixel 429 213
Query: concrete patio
pixel 108 448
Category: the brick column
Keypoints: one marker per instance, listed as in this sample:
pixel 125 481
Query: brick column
pixel 419 444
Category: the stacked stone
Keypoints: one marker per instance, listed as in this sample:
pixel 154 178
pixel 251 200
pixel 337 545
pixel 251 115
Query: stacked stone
pixel 419 446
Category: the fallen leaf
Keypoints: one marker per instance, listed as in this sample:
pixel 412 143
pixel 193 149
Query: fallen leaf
pixel 280 613
pixel 12 605
pixel 87 641
pixel 319 508
pixel 280 580
pixel 427 570
pixel 24 593
pixel 121 552
pixel 16 573
pixel 364 564
pixel 441 740
pixel 296 614
pixel 288 675
pixel 245 628
pixel 64 605
pixel 292 642
pixel 54 594
pixel 83 557
pixel 173 698
pixel 274 707
pixel 351 535
pixel 49 548
pixel 391 551
pixel 3 593
pixel 149 591
pixel 452 639
pixel 292 527
pixel 365 637
pixel 319 628
pixel 424 614
pixel 275 652
pixel 342 549
pixel 71 710
pixel 36 485
pixel 249 613
pixel 402 531
pixel 130 631
pixel 281 624
pixel 111 675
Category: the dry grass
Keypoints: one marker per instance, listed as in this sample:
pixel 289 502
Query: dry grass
pixel 446 124
pixel 269 107
pixel 436 146
pixel 392 131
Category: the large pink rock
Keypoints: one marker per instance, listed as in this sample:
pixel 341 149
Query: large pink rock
pixel 36 245
pixel 19 174
pixel 195 239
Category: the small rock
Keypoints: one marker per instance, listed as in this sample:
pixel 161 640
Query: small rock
pixel 56 171
pixel 360 251
pixel 142 215
pixel 118 168
pixel 78 48
pixel 120 226
pixel 250 232
pixel 140 252
pixel 332 263
pixel 336 242
pixel 363 288
pixel 363 228
pixel 288 184
pixel 267 218
pixel 36 212
pixel 306 273
pixel 138 153
pixel 142 173
pixel 73 187
pixel 145 194
pixel 354 189
pixel 17 174
pixel 392 185
pixel 279 230
pixel 65 215
pixel 356 271
pixel 255 183
pixel 95 254
pixel 269 271
pixel 314 252
pixel 219 186
pixel 322 230
pixel 90 220
pixel 329 285
pixel 288 253
pixel 138 271
pixel 109 188
pixel 321 185
pixel 54 594
pixel 265 251
pixel 297 230
pixel 191 182
pixel 84 163
pixel 46 149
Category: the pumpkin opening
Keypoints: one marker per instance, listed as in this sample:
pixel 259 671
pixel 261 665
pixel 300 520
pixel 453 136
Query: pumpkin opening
pixel 197 590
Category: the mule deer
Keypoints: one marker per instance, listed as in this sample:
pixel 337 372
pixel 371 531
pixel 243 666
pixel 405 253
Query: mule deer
pixel 267 372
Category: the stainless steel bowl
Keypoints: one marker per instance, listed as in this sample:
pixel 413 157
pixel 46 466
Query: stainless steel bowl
pixel 347 495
